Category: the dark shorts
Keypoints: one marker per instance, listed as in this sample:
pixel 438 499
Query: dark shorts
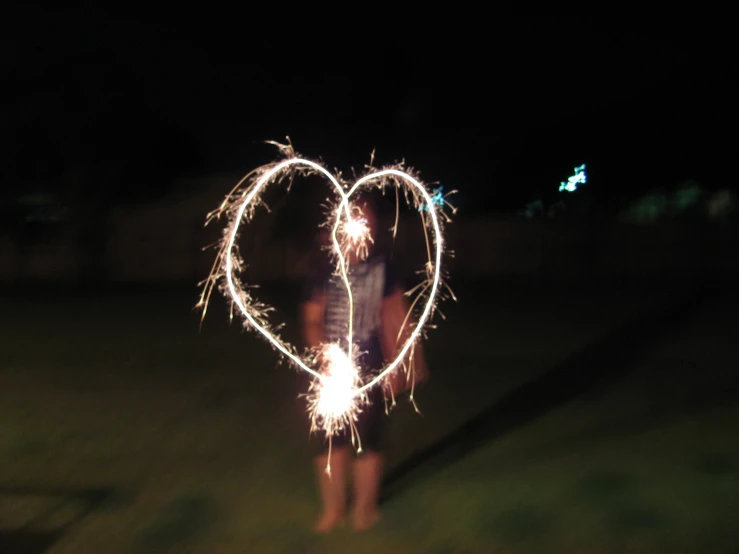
pixel 370 427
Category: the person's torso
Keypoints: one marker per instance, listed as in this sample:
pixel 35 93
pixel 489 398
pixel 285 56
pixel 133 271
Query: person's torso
pixel 368 285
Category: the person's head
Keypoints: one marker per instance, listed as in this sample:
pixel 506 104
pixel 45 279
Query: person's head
pixel 362 229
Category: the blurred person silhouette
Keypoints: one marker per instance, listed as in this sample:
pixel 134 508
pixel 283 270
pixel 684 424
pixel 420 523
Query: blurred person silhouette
pixel 380 330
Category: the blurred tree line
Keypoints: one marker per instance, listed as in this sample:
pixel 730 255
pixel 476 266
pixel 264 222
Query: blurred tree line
pixel 78 138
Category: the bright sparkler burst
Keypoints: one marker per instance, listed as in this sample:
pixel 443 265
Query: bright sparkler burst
pixel 338 391
pixel 354 235
pixel 335 401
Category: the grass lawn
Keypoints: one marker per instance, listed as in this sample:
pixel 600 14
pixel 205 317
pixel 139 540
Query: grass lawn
pixel 124 428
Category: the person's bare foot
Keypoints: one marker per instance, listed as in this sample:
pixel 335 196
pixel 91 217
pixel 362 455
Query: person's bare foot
pixel 366 519
pixel 327 523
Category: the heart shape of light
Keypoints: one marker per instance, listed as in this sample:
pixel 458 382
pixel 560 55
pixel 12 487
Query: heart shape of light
pixel 340 394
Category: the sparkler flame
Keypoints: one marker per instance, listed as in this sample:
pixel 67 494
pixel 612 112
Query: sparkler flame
pixel 334 401
pixel 337 393
pixel 355 229
pixel 339 388
pixel 355 237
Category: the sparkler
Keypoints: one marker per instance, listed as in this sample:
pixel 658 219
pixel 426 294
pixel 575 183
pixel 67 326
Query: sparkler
pixel 338 391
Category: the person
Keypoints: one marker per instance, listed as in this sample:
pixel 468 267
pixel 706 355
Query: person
pixel 379 312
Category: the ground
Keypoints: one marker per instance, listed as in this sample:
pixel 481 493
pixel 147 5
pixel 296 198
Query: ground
pixel 556 420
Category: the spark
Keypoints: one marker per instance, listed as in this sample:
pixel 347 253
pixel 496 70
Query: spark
pixel 337 393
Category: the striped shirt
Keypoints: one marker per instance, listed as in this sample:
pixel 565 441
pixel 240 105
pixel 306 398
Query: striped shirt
pixel 371 281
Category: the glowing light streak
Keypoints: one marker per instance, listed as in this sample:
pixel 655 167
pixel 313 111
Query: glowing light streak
pixel 336 394
pixel 436 279
pixel 236 297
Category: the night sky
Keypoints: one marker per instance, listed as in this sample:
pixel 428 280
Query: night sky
pixel 501 109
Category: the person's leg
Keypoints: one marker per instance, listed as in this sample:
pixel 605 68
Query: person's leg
pixel 332 487
pixel 367 479
pixel 368 465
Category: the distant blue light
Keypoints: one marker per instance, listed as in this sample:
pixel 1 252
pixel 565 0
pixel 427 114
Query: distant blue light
pixel 572 182
pixel 436 198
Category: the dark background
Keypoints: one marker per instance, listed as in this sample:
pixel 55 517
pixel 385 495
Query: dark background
pixel 583 391
pixel 113 103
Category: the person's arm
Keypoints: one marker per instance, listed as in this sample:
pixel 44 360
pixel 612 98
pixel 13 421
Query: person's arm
pixel 312 314
pixel 396 330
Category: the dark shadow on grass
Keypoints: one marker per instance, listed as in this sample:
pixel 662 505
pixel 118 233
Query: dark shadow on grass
pixel 33 537
pixel 601 363
pixel 521 523
pixel 627 520
pixel 183 519
pixel 607 485
pixel 686 407
pixel 716 463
